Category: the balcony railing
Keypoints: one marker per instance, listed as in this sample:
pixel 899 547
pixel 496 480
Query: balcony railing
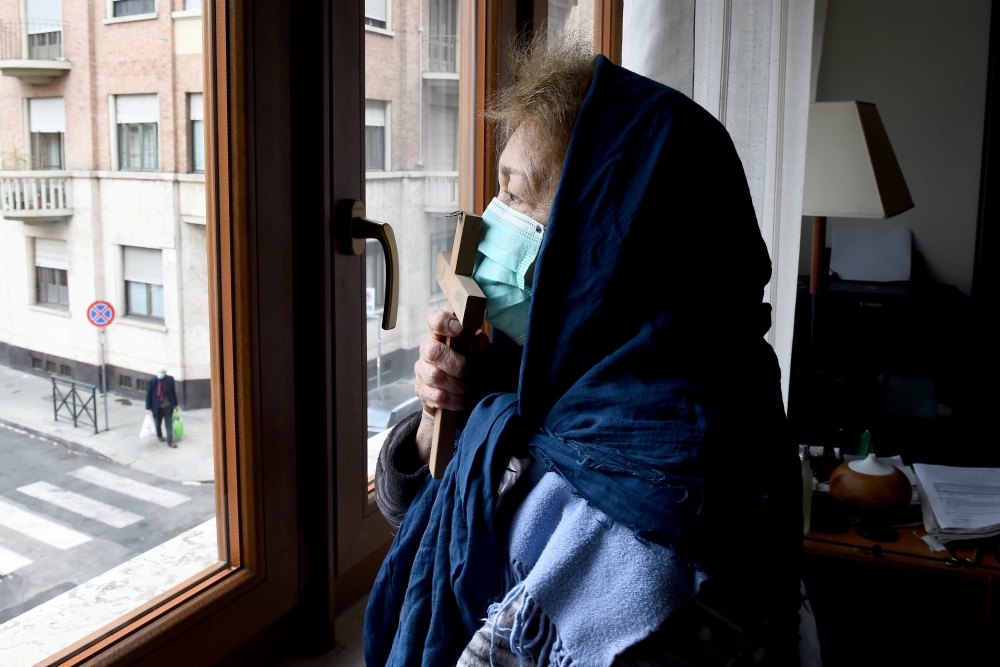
pixel 32 49
pixel 442 53
pixel 44 40
pixel 35 197
pixel 441 192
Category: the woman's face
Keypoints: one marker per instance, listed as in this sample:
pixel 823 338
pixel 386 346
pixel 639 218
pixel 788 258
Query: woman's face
pixel 529 174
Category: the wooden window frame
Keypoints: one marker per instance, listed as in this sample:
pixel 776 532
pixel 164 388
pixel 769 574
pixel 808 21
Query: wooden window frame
pixel 287 569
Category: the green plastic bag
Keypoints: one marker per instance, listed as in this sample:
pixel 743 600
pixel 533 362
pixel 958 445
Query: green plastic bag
pixel 178 426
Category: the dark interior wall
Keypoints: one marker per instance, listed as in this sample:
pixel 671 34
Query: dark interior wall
pixel 924 64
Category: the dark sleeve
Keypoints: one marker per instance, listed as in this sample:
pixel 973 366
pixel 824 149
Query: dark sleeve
pixel 398 472
pixel 173 393
pixel 150 388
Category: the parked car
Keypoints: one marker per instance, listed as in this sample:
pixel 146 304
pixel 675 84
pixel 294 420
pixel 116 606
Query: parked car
pixel 388 404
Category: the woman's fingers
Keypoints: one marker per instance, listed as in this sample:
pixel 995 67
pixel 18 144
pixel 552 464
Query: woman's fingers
pixel 443 323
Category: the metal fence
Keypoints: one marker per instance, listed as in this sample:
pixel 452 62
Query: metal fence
pixel 77 399
pixel 35 39
pixel 442 53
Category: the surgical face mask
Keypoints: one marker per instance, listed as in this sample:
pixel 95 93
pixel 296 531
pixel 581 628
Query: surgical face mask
pixel 160 375
pixel 505 264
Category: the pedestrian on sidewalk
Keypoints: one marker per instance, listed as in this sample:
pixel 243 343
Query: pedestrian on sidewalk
pixel 161 402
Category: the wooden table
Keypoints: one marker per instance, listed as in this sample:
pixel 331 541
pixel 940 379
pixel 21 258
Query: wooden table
pixel 929 595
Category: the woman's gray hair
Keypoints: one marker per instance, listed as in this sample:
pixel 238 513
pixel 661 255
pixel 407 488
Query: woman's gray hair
pixel 551 79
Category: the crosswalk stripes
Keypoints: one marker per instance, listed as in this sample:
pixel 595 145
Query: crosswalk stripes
pixel 39 528
pixel 80 504
pixel 10 561
pixel 130 487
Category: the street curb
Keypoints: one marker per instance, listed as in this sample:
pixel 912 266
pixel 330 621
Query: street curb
pixel 69 444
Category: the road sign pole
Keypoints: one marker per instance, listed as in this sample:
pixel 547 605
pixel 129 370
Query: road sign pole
pixel 104 377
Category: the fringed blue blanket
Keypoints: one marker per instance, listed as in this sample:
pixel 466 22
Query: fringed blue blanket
pixel 645 381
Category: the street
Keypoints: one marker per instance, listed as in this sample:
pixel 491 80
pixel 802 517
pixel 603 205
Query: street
pixel 67 516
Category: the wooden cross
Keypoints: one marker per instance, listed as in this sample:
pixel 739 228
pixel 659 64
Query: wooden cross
pixel 453 272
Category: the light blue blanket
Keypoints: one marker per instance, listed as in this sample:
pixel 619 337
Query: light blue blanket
pixel 587 587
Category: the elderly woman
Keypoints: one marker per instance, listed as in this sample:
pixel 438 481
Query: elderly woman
pixel 631 497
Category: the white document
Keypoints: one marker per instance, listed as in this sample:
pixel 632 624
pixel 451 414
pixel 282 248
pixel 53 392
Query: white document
pixel 965 500
pixel 875 254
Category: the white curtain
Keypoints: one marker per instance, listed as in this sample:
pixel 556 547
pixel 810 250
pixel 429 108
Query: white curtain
pixel 747 62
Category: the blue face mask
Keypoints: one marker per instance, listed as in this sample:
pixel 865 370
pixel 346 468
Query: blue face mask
pixel 505 264
pixel 160 375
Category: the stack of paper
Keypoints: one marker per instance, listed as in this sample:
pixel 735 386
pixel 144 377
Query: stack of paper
pixel 959 503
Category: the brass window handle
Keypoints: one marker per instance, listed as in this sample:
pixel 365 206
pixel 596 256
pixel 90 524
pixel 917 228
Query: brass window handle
pixel 358 228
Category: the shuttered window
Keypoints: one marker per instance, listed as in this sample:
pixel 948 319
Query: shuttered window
pixel 51 272
pixel 144 283
pixel 47 123
pixel 376 13
pixel 197 114
pixel 138 141
pixel 375 135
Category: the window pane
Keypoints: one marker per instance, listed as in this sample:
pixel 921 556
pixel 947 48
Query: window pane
pixel 102 570
pixel 198 145
pixel 416 139
pixel 567 16
pixel 138 304
pixel 156 301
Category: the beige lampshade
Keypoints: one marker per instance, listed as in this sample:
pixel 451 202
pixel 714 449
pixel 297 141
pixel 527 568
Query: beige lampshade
pixel 851 171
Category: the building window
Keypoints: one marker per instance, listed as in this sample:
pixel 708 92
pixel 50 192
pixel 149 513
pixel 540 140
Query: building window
pixel 125 381
pixel 197 127
pixel 51 273
pixel 442 238
pixel 37 364
pixel 137 117
pixel 50 367
pixel 47 123
pixel 375 135
pixel 192 5
pixel 140 385
pixel 376 13
pixel 442 138
pixel 144 283
pixel 65 371
pixel 374 278
pixel 133 7
pixel 442 42
pixel 44 29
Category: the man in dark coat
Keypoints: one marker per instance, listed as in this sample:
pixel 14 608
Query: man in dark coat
pixel 161 402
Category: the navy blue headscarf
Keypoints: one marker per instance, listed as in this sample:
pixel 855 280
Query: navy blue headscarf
pixel 645 380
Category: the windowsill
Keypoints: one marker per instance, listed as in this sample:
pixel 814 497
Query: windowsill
pixel 410 174
pixel 139 171
pixel 52 626
pixel 139 323
pixel 194 219
pixel 380 31
pixel 185 14
pixel 50 310
pixel 440 76
pixel 128 19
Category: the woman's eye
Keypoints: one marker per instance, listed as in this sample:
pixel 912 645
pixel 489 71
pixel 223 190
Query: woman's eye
pixel 513 198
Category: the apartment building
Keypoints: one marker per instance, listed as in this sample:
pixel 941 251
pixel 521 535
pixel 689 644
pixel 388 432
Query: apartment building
pixel 102 184
pixel 102 190
pixel 411 161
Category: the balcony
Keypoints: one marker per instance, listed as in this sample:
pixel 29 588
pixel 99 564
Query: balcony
pixel 441 192
pixel 442 57
pixel 35 196
pixel 32 50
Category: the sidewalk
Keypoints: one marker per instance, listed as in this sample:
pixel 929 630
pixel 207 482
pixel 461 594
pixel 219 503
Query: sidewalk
pixel 26 402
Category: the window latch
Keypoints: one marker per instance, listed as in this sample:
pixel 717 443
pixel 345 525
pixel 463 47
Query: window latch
pixel 355 229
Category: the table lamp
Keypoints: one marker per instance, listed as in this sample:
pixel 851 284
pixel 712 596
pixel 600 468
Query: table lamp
pixel 851 172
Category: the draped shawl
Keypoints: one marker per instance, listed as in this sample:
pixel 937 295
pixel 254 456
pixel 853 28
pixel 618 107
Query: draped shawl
pixel 645 381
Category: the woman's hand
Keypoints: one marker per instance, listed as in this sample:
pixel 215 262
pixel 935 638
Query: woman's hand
pixel 441 375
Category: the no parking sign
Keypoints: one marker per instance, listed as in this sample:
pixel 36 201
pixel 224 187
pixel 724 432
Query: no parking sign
pixel 101 313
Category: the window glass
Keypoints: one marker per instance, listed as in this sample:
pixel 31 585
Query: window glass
pixel 196 112
pixel 376 13
pixel 192 5
pixel 411 135
pixel 98 527
pixel 566 16
pixel 133 7
pixel 44 29
pixel 375 135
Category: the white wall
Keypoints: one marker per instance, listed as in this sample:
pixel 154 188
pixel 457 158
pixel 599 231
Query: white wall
pixel 924 64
